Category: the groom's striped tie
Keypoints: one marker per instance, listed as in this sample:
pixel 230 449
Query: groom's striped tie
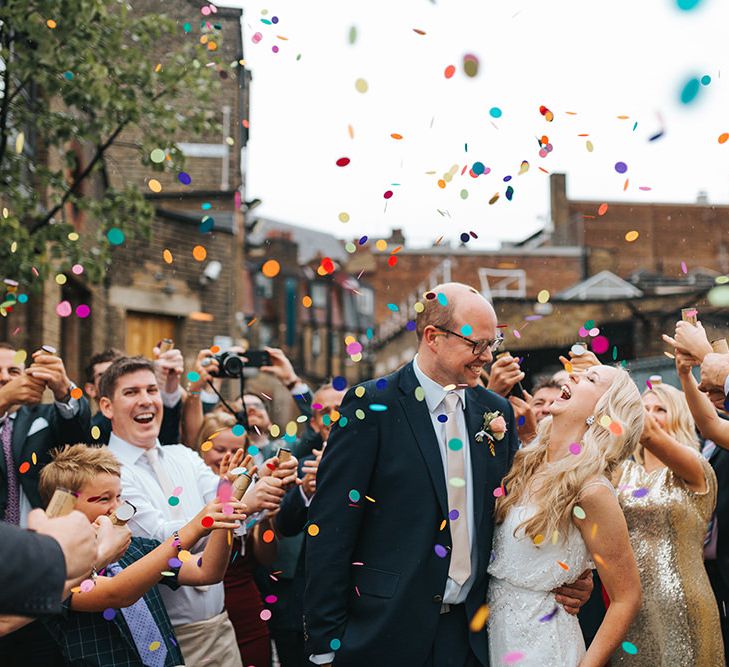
pixel 460 567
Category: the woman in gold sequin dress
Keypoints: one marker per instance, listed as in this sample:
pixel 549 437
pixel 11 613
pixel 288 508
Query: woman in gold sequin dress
pixel 668 494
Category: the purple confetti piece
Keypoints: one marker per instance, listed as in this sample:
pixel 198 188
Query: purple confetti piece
pixel 549 616
pixel 639 493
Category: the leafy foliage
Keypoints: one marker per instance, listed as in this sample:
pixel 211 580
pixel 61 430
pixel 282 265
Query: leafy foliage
pixel 76 77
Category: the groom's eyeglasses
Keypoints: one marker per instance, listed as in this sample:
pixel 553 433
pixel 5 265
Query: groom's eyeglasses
pixel 479 346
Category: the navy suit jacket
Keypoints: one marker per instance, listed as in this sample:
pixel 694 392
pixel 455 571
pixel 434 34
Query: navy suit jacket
pixel 373 579
pixel 49 430
pixel 720 463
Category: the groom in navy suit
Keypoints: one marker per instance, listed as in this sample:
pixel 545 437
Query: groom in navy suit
pixel 401 523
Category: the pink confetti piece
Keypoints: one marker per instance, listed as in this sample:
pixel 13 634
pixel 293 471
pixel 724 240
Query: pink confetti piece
pixel 512 657
pixel 683 267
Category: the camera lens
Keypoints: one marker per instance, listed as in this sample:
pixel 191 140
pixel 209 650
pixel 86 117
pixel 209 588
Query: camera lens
pixel 233 365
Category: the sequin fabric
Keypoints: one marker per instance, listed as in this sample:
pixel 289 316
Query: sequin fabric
pixel 525 622
pixel 678 623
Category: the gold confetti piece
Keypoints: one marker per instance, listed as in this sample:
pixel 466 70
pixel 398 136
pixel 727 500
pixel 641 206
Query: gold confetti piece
pixel 479 618
pixel 598 559
pixel 632 236
pixel 313 530
pixel 538 539
pixel 443 524
pixel 494 199
pixel 593 532
pixel 419 31
pixel 19 143
pixel 372 500
pixel 51 24
pixel 167 256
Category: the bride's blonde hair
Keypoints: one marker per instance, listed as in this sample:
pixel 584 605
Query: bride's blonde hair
pixel 555 489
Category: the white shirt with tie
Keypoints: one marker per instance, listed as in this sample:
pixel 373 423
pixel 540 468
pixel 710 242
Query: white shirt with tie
pixel 157 519
pixel 434 399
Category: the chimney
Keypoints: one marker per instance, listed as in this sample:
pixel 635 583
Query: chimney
pixel 397 237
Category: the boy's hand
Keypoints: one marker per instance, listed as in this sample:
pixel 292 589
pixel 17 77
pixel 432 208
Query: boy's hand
pixel 287 471
pixel 223 515
pixel 111 541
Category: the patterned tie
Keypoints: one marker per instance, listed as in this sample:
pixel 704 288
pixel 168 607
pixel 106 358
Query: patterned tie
pixel 460 567
pixel 12 509
pixel 163 478
pixel 143 627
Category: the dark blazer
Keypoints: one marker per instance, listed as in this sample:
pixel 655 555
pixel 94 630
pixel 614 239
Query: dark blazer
pixel 373 579
pixel 38 429
pixel 720 463
pixel 33 572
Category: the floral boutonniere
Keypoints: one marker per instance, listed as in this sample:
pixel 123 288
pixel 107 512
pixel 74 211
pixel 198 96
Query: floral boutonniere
pixel 494 429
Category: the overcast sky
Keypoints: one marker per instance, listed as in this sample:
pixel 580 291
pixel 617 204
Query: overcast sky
pixel 598 60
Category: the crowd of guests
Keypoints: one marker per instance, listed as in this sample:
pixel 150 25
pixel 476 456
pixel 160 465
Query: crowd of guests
pixel 200 576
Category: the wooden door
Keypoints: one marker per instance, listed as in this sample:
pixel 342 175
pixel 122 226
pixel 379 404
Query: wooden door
pixel 144 331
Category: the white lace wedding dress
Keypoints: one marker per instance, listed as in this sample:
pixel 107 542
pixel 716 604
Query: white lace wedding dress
pixel 526 626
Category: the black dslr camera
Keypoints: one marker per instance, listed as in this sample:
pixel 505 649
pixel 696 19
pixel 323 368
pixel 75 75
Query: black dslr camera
pixel 231 364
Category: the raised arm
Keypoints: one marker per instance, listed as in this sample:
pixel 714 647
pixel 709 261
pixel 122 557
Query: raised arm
pixel 682 460
pixel 703 411
pixel 134 581
pixel 613 555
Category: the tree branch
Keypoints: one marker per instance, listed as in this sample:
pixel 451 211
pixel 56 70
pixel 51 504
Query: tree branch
pixel 100 150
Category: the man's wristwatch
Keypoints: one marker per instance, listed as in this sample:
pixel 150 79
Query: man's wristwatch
pixel 67 396
pixel 292 384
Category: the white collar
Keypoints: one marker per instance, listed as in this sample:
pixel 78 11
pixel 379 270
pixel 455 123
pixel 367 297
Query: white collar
pixel 126 452
pixel 434 392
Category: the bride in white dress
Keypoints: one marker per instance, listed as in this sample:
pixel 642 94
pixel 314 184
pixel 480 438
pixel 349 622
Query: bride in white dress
pixel 559 515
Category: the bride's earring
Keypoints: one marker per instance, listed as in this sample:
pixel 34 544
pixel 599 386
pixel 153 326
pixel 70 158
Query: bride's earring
pixel 590 420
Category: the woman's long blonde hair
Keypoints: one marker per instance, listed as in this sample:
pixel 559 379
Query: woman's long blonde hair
pixel 555 489
pixel 679 420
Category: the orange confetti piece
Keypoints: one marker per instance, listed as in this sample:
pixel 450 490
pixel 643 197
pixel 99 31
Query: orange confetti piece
pixel 603 209
pixel 625 185
pixel 564 566
pixel 479 618
pixel 449 71
pixel 199 253
pixel 24 467
pixel 268 536
pixel 419 31
pixel 77 393
pixel 568 367
pixel 443 524
pixel 253 321
pixel 350 129
pixel 167 256
pixel 271 268
pixel 441 183
pixel 51 24
pixel 723 137
pixel 543 169
pixel 623 117
pixel 397 136
pixel 615 428
pixel 214 349
pixel 306 301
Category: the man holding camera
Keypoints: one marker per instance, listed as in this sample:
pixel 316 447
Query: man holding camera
pixel 29 430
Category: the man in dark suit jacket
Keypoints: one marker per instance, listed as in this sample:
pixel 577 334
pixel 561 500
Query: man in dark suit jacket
pixel 36 428
pixel 383 540
pixel 716 551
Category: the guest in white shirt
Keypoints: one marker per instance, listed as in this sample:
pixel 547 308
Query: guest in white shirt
pixel 168 486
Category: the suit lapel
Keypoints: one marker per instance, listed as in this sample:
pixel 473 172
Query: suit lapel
pixel 418 417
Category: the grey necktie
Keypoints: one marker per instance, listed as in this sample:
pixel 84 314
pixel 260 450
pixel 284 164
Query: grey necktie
pixel 460 566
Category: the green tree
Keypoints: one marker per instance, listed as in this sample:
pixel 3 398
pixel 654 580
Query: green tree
pixel 81 73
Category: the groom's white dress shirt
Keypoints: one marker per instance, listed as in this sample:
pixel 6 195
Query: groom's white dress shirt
pixel 434 395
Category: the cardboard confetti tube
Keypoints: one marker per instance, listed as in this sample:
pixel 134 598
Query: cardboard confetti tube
pixel 62 503
pixel 283 454
pixel 690 315
pixel 242 482
pixel 166 344
pixel 123 513
pixel 720 346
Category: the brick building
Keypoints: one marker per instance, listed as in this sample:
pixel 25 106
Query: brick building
pixel 143 297
pixel 632 291
pixel 312 331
